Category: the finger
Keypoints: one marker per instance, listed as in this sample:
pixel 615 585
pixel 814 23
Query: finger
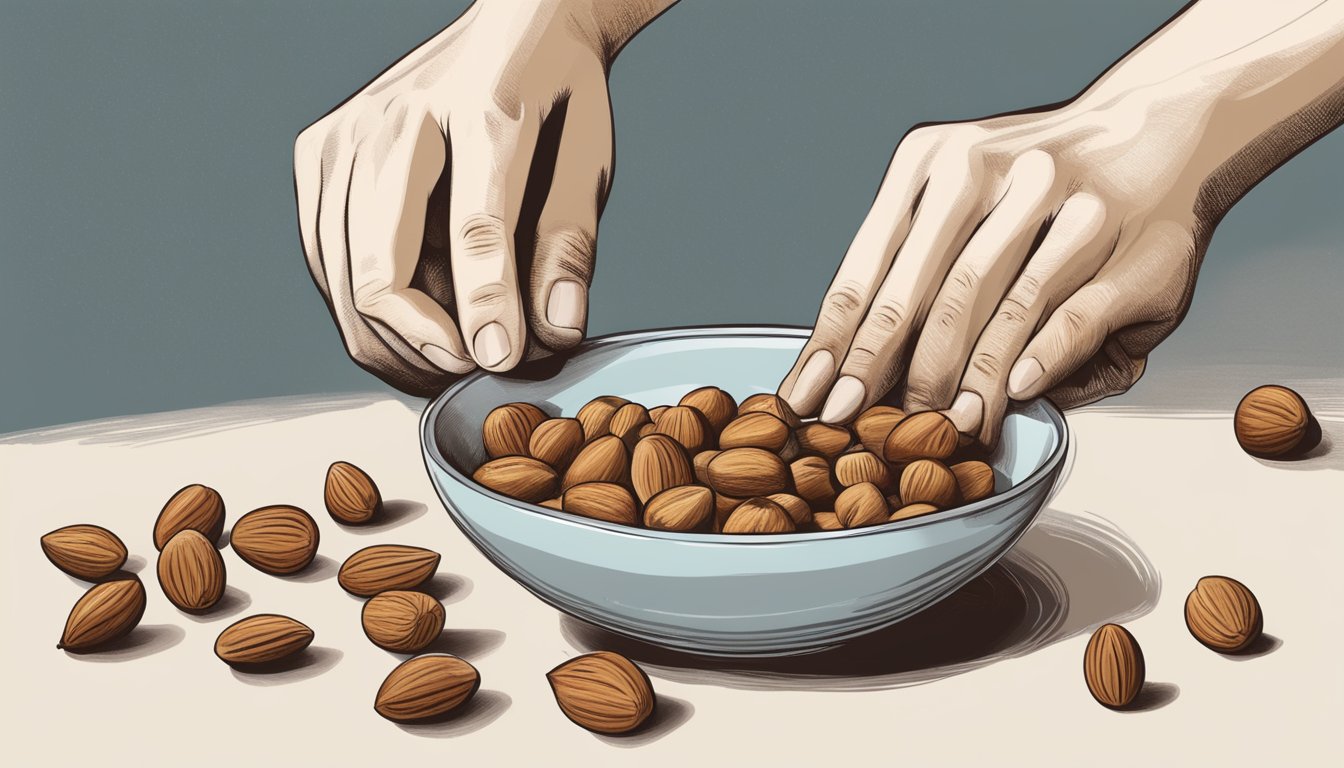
pixel 308 180
pixel 566 237
pixel 390 187
pixel 978 280
pixel 1071 253
pixel 946 217
pixel 866 262
pixel 491 154
pixel 1110 371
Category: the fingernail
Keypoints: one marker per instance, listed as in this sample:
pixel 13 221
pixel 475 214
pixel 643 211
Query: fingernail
pixel 1023 376
pixel 491 345
pixel 444 359
pixel 567 306
pixel 966 413
pixel 846 397
pixel 811 382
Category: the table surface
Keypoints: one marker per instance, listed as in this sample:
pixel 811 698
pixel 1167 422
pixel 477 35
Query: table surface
pixel 1151 502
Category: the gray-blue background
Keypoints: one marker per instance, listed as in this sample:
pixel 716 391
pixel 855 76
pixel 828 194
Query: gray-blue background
pixel 150 257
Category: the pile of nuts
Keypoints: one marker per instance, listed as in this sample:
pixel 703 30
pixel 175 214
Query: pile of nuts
pixel 601 691
pixel 709 464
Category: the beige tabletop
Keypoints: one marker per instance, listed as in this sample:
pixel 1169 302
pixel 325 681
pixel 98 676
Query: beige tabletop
pixel 1151 502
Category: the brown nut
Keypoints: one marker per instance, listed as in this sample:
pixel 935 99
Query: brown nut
pixel 518 477
pixel 107 612
pixel 860 505
pixel 627 422
pixel 975 479
pixel 261 639
pixel 813 481
pixel 864 467
pixel 191 572
pixel 1113 666
pixel 603 692
pixel 350 494
pixel 907 511
pixel 596 415
pixel 873 425
pixel 84 551
pixel 659 463
pixel 929 481
pixel 197 507
pixel 601 501
pixel 683 508
pixel 759 515
pixel 402 621
pixel 278 540
pixel 798 510
pixel 723 507
pixel 555 442
pixel 700 463
pixel 826 440
pixel 1223 614
pixel 827 521
pixel 386 566
pixel 774 405
pixel 657 411
pixel 755 430
pixel 748 472
pixel 927 435
pixel 717 406
pixel 603 460
pixel 687 426
pixel 426 687
pixel 1275 422
pixel 508 428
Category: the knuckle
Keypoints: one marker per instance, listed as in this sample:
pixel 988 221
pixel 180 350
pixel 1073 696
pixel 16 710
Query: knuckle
pixel 1013 310
pixel 569 250
pixel 842 301
pixel 987 364
pixel 1075 323
pixel 885 319
pixel 1027 290
pixel 919 391
pixel 492 294
pixel 482 235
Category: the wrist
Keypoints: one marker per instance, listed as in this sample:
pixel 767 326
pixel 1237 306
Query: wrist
pixel 610 24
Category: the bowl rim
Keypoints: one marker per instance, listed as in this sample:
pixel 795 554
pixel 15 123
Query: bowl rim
pixel 430 449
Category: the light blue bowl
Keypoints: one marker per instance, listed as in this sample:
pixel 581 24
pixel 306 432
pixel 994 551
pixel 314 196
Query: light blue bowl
pixel 716 594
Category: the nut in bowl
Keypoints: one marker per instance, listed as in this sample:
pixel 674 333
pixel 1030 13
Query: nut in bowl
pixel 725 594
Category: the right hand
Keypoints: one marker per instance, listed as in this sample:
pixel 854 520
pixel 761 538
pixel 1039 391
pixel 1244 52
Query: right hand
pixel 411 193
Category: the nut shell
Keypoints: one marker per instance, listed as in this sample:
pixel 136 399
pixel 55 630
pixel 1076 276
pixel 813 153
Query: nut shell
pixel 907 511
pixel 975 479
pixel 603 460
pixel 755 430
pixel 700 463
pixel 797 509
pixel 86 552
pixel 401 621
pixel 774 405
pixel 873 425
pixel 827 521
pixel 813 481
pixel 659 462
pixel 508 428
pixel 747 472
pixel 191 572
pixel 718 407
pixel 1223 614
pixel 864 467
pixel 279 540
pixel 260 639
pixel 1275 422
pixel 426 687
pixel 759 515
pixel 828 440
pixel 860 505
pixel 107 612
pixel 628 421
pixel 386 566
pixel 926 435
pixel 603 692
pixel 687 426
pixel 683 508
pixel 602 501
pixel 555 442
pixel 930 482
pixel 518 477
pixel 351 495
pixel 197 507
pixel 1113 666
pixel 596 415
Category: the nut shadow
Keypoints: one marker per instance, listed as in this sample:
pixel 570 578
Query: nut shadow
pixel 133 564
pixel 1068 574
pixel 1152 696
pixel 669 714
pixel 308 663
pixel 144 640
pixel 321 569
pixel 483 709
pixel 1264 645
pixel 395 512
pixel 447 588
pixel 1322 453
pixel 469 644
pixel 231 603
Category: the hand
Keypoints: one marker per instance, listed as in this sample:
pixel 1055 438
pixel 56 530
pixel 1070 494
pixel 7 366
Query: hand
pixel 459 192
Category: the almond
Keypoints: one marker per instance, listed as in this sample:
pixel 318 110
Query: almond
pixel 812 479
pixel 646 430
pixel 759 515
pixel 603 692
pixel 426 687
pixel 827 521
pixel 84 551
pixel 659 463
pixel 604 460
pixel 556 504
pixel 197 507
pixel 748 472
pixel 386 566
pixel 279 540
pixel 107 612
pixel 597 414
pixel 873 425
pixel 402 622
pixel 907 511
pixel 351 495
pixel 518 477
pixel 683 508
pixel 864 467
pixel 723 508
pixel 1223 614
pixel 774 405
pixel 601 501
pixel 508 428
pixel 975 479
pixel 701 465
pixel 927 435
pixel 262 638
pixel 718 407
pixel 797 509
pixel 1113 666
pixel 657 411
pixel 755 430
pixel 627 422
pixel 1274 422
pixel 860 505
pixel 826 440
pixel 687 426
pixel 555 442
pixel 929 481
pixel 191 572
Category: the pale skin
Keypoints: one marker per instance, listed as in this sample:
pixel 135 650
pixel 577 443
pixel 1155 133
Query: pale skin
pixel 1039 253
